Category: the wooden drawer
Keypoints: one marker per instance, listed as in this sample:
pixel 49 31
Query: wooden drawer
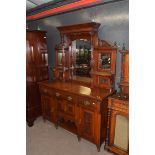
pixel 88 103
pixel 46 91
pixel 65 96
pixel 57 94
pixel 119 105
pixel 69 97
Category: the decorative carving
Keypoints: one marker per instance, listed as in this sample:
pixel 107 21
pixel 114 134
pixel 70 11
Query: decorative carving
pixel 87 123
pixel 81 64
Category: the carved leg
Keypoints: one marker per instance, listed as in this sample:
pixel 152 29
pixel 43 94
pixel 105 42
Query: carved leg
pixel 107 135
pixel 44 119
pixel 98 148
pixel 79 138
pixel 58 122
pixel 106 144
pixel 30 122
pixel 56 125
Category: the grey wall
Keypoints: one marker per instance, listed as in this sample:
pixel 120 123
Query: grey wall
pixel 114 21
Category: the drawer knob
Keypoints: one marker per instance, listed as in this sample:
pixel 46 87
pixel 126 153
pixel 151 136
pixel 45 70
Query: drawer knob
pixel 65 109
pixel 57 94
pixel 45 90
pixel 69 98
pixel 52 110
pixel 86 103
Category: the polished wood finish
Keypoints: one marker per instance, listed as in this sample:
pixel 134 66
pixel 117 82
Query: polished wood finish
pixel 77 103
pixel 118 105
pixel 103 77
pixel 76 108
pixel 66 70
pixel 124 84
pixel 36 70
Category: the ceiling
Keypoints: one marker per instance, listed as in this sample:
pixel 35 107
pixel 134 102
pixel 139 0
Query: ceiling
pixel 36 9
pixel 30 4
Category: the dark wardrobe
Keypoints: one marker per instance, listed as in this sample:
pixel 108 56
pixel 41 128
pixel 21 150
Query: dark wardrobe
pixel 36 71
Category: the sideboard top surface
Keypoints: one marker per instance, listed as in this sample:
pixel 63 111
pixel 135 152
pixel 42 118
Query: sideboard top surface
pixel 77 88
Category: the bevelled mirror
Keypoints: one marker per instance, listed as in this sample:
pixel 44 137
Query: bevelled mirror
pixel 82 48
pixel 105 61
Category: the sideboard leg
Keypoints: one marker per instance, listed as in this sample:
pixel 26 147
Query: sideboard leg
pixel 56 125
pixel 98 148
pixel 30 122
pixel 44 119
pixel 79 138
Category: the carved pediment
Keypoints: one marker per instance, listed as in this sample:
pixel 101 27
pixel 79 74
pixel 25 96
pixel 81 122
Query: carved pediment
pixel 84 27
pixel 105 44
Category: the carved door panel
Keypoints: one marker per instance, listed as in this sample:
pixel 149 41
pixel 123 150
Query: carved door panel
pixel 87 124
pixel 69 108
pixel 60 105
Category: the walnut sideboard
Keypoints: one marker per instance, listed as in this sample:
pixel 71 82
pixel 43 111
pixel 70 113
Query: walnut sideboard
pixel 79 109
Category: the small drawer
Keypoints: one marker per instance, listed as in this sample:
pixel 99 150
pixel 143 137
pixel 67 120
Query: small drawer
pixel 118 104
pixel 45 91
pixel 67 96
pixel 57 94
pixel 70 98
pixel 87 102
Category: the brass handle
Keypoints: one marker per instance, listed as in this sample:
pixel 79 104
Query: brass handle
pixel 86 103
pixel 52 109
pixel 45 90
pixel 65 109
pixel 57 94
pixel 69 98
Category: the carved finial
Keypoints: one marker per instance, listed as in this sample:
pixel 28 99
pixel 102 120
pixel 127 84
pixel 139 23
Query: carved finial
pixel 123 48
pixel 115 44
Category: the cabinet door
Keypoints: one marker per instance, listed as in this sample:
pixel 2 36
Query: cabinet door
pixel 119 138
pixel 46 109
pixel 87 121
pixel 61 106
pixel 69 108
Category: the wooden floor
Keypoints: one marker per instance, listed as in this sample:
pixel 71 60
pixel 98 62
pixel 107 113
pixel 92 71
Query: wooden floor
pixel 44 139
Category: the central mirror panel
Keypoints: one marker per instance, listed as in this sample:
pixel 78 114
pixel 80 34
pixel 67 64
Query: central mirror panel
pixel 82 52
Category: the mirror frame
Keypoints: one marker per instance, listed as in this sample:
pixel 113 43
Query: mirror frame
pixel 98 52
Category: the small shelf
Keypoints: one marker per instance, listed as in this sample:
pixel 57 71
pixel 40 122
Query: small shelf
pixel 70 126
pixel 102 73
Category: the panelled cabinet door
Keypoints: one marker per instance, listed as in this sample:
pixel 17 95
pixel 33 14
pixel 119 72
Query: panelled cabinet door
pixel 61 106
pixel 87 124
pixel 69 108
pixel 119 132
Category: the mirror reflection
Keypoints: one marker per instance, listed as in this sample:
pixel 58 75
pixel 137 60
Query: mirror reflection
pixel 82 49
pixel 59 58
pixel 105 61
